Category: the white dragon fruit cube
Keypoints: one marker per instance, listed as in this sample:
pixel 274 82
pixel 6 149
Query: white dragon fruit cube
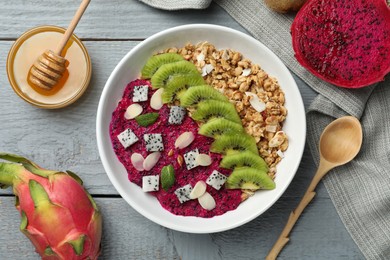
pixel 140 93
pixel 154 142
pixel 176 115
pixel 189 159
pixel 127 138
pixel 150 183
pixel 183 193
pixel 216 180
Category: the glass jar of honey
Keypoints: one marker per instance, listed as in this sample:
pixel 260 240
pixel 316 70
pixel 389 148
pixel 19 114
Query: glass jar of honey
pixel 28 47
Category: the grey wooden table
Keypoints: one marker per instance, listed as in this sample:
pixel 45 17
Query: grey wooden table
pixel 65 139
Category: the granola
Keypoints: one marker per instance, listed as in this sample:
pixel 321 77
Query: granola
pixel 256 95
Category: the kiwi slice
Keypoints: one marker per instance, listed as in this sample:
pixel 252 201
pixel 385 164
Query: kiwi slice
pixel 156 61
pixel 165 72
pixel 249 179
pixel 244 159
pixel 197 94
pixel 219 126
pixel 178 84
pixel 234 143
pixel 208 109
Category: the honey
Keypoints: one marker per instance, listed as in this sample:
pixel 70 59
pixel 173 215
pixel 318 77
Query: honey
pixel 29 47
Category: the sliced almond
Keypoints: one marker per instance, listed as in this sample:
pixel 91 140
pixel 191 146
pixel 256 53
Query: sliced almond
pixel 255 102
pixel 207 201
pixel 246 72
pixel 203 159
pixel 184 140
pixel 225 55
pixel 133 111
pixel 207 69
pixel 277 140
pixel 198 190
pixel 200 57
pixel 156 100
pixel 151 160
pixel 270 128
pixel 137 160
pixel 280 153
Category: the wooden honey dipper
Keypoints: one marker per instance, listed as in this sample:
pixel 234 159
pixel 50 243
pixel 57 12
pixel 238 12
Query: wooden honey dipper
pixel 50 65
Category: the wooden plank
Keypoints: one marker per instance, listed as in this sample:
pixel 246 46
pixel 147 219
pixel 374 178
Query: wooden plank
pixel 319 234
pixel 103 19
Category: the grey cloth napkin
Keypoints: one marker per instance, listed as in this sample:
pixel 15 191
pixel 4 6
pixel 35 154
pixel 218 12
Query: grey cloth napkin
pixel 178 4
pixel 359 190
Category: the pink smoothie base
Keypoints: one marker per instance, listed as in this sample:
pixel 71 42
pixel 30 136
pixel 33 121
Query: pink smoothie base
pixel 225 199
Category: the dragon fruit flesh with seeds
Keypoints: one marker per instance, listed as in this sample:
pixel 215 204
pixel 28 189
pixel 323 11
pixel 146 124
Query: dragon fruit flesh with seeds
pixel 58 215
pixel 346 43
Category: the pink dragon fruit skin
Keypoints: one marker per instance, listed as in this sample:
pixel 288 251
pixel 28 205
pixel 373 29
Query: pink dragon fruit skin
pixel 59 217
pixel 346 43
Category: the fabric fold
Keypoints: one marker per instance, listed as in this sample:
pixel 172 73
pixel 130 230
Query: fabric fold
pixel 178 4
pixel 360 190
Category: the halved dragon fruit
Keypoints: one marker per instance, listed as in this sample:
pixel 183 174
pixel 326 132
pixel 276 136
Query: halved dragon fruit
pixel 346 43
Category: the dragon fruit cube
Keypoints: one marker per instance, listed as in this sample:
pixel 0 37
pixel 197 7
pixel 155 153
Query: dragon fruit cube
pixel 189 159
pixel 176 115
pixel 127 138
pixel 150 183
pixel 140 93
pixel 154 142
pixel 183 193
pixel 216 180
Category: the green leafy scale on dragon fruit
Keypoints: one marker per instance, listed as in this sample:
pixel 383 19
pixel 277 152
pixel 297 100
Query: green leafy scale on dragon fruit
pixel 346 43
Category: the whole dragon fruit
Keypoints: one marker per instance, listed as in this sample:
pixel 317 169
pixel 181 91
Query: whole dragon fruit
pixel 59 217
pixel 344 42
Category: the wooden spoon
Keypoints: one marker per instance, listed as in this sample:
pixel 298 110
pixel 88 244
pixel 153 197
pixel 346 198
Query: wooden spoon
pixel 340 142
pixel 49 67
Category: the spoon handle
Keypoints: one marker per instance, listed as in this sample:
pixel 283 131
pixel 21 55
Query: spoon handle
pixel 68 33
pixel 323 168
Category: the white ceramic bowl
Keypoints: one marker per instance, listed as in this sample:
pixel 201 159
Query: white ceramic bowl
pixel 129 68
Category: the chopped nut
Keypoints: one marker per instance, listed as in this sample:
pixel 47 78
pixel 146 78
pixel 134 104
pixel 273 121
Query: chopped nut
pixel 238 71
pixel 244 196
pixel 244 87
pixel 170 153
pixel 278 139
pixel 180 160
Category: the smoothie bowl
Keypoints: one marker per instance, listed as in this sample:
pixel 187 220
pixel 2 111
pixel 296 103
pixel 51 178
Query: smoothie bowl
pixel 201 128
